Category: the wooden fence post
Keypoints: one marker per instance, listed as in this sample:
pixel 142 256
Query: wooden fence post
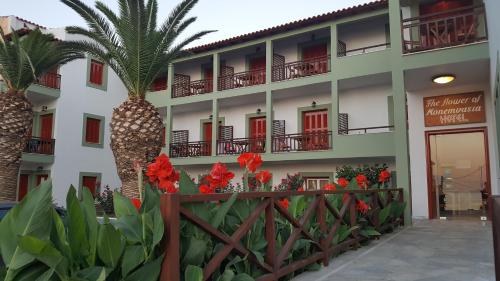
pixel 353 217
pixel 170 211
pixel 401 200
pixel 323 227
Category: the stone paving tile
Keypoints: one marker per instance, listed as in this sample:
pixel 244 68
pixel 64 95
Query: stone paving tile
pixel 428 251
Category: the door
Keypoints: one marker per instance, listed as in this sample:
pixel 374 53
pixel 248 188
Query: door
pixel 257 134
pixel 208 74
pixel 458 174
pixel 23 186
pixel 315 59
pixel 207 137
pixel 258 70
pixel 90 182
pixel 40 179
pixel 46 122
pixel 315 130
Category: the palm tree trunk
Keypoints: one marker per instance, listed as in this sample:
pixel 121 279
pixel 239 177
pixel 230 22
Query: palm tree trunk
pixel 16 118
pixel 135 138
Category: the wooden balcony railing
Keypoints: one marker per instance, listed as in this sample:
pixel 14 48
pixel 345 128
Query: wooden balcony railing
pixel 303 68
pixel 366 130
pixel 363 50
pixel 39 146
pixel 50 80
pixel 240 145
pixel 192 88
pixel 242 79
pixel 190 149
pixel 444 29
pixel 302 142
pixel 273 259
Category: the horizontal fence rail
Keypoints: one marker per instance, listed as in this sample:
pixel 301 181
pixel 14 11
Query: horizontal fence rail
pixel 39 146
pixel 240 145
pixel 274 263
pixel 192 88
pixel 302 68
pixel 49 80
pixel 302 142
pixel 443 29
pixel 190 149
pixel 363 50
pixel 242 79
pixel 366 130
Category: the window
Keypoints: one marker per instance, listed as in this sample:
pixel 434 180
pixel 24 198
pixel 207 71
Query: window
pixel 96 72
pixel 91 181
pixel 315 183
pixel 93 130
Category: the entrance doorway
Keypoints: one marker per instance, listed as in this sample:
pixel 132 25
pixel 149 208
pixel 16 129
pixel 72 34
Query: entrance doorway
pixel 458 174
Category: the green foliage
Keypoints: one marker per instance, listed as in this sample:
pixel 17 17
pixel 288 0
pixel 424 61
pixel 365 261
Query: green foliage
pixel 370 171
pixel 36 244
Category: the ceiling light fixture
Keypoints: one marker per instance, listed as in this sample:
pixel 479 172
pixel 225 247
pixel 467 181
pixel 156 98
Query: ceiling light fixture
pixel 443 78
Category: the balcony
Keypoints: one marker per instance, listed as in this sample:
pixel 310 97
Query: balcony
pixel 191 88
pixel 298 69
pixel 366 130
pixel 302 142
pixel 40 146
pixel 242 79
pixel 444 29
pixel 190 149
pixel 237 146
pixel 49 80
pixel 344 52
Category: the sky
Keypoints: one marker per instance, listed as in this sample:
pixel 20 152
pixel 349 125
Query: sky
pixel 228 17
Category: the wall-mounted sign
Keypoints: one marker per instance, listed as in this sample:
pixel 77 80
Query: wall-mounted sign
pixel 454 109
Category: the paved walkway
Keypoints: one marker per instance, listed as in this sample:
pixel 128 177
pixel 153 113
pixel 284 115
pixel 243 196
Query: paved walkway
pixel 428 251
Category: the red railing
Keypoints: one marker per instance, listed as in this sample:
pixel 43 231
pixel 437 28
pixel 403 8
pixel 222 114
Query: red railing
pixel 50 80
pixel 303 68
pixel 242 79
pixel 190 149
pixel 39 146
pixel 192 88
pixel 273 261
pixel 302 142
pixel 240 145
pixel 443 29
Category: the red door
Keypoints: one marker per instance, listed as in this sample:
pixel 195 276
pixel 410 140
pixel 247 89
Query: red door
pixel 315 59
pixel 46 122
pixel 90 183
pixel 315 129
pixel 209 79
pixel 40 179
pixel 23 186
pixel 257 134
pixel 207 136
pixel 258 70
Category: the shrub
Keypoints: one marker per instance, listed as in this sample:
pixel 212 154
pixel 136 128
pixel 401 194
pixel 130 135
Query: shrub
pixel 104 200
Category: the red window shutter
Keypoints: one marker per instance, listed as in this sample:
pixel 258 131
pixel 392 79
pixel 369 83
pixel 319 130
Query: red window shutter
pixel 93 130
pixel 96 72
pixel 90 183
pixel 315 121
pixel 40 178
pixel 315 51
pixel 46 126
pixel 258 127
pixel 23 186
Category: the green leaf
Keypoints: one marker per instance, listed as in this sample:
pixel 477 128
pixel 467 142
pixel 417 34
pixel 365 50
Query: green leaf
pixel 123 206
pixel 158 228
pixel 94 273
pixel 89 212
pixel 148 272
pixel 77 234
pixel 151 199
pixel 131 227
pixel 30 273
pixel 243 277
pixel 133 257
pixel 41 249
pixel 186 184
pixel 193 273
pixel 369 231
pixel 353 184
pixel 110 245
pixel 222 211
pixel 228 275
pixel 384 214
pixel 30 217
pixel 58 235
pixel 195 251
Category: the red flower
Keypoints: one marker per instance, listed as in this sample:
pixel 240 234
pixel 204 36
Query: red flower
pixel 205 189
pixel 251 161
pixel 362 180
pixel 300 189
pixel 137 203
pixel 163 174
pixel 330 186
pixel 362 207
pixel 219 176
pixel 343 182
pixel 384 176
pixel 263 176
pixel 284 203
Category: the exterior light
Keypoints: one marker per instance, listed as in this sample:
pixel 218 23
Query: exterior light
pixel 44 108
pixel 443 78
pixel 258 110
pixel 313 104
pixel 210 117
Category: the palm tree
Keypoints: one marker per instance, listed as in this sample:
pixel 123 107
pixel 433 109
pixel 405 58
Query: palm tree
pixel 22 60
pixel 138 50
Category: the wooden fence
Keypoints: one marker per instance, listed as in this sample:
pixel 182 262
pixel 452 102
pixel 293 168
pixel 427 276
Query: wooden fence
pixel 273 264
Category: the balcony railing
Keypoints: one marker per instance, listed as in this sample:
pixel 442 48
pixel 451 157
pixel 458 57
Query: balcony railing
pixel 302 142
pixel 40 146
pixel 158 85
pixel 366 130
pixel 190 149
pixel 192 88
pixel 444 29
pixel 303 68
pixel 242 79
pixel 240 145
pixel 363 50
pixel 50 80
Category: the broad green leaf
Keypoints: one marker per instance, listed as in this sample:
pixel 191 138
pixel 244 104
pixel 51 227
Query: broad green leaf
pixel 131 227
pixel 123 206
pixel 29 273
pixel 384 214
pixel 42 250
pixel 133 257
pixel 193 273
pixel 186 184
pixel 94 273
pixel 148 272
pixel 77 234
pixel 47 275
pixel 151 199
pixel 195 251
pixel 158 228
pixel 110 245
pixel 353 184
pixel 89 212
pixel 228 275
pixel 222 211
pixel 32 216
pixel 58 235
pixel 369 231
pixel 243 277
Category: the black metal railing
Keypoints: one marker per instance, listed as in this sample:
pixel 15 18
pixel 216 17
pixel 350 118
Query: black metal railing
pixel 190 149
pixel 40 146
pixel 242 79
pixel 365 130
pixel 240 145
pixel 302 68
pixel 302 142
pixel 363 50
pixel 192 88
